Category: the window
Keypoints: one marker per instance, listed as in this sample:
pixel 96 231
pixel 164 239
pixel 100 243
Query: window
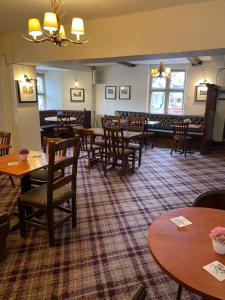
pixel 167 94
pixel 41 91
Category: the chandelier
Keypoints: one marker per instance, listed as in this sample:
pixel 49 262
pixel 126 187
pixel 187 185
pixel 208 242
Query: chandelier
pixel 53 30
pixel 161 71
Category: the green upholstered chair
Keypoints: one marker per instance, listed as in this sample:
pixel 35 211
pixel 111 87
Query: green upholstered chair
pixel 52 196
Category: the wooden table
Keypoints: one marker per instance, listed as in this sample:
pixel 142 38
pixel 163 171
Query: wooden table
pixel 182 252
pixel 36 160
pixel 55 118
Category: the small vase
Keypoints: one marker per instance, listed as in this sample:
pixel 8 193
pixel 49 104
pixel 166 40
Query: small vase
pixel 23 156
pixel 218 247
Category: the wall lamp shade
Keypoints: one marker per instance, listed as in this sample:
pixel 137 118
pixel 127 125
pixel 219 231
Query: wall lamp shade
pixel 34 27
pixel 50 22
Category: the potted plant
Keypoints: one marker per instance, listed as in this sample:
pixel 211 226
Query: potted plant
pixel 217 235
pixel 23 153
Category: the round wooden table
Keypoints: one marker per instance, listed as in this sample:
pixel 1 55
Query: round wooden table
pixel 183 252
pixel 55 118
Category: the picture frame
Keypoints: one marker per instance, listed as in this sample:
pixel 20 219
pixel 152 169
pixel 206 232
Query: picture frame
pixel 77 95
pixel 27 91
pixel 201 92
pixel 110 92
pixel 221 94
pixel 124 92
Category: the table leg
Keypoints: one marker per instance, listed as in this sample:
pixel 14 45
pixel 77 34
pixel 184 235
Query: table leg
pixel 25 183
pixel 179 292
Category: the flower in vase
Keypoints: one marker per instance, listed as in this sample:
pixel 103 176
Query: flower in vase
pixel 218 234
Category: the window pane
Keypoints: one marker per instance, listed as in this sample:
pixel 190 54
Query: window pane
pixel 177 80
pixel 159 82
pixel 157 102
pixel 41 102
pixel 40 84
pixel 175 103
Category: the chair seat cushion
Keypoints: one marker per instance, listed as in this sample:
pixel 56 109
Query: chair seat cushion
pixel 126 151
pixel 134 146
pixel 100 143
pixel 39 195
pixel 42 175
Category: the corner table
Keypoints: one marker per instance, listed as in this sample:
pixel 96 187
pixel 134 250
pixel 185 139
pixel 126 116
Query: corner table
pixel 183 252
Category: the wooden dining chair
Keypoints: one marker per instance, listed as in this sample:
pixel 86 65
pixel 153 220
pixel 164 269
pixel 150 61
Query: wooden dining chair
pixel 116 151
pixel 47 198
pixel 93 151
pixel 137 124
pixel 180 139
pixel 111 122
pixel 40 176
pixel 140 293
pixel 5 140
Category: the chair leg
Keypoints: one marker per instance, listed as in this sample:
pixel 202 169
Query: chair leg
pixel 185 146
pixel 133 162
pixel 179 292
pixel 12 181
pixel 172 148
pixel 74 212
pixel 21 215
pixel 50 217
pixel 140 155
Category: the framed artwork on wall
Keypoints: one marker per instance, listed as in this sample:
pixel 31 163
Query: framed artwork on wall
pixel 124 92
pixel 110 92
pixel 201 92
pixel 76 95
pixel 27 91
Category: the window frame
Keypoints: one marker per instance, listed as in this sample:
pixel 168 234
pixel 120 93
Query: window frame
pixel 44 92
pixel 167 90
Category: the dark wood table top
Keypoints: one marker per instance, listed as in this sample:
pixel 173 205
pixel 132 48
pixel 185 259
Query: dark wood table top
pixel 182 252
pixel 3 146
pixel 128 135
pixel 36 160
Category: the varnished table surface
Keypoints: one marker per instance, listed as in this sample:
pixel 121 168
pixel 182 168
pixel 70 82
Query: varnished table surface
pixel 182 252
pixel 3 146
pixel 128 135
pixel 24 167
pixel 55 118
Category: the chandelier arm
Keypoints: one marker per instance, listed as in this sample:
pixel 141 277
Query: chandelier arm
pixel 83 41
pixel 33 40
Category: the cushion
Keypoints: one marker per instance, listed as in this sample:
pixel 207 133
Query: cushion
pixel 134 146
pixel 39 195
pixel 42 175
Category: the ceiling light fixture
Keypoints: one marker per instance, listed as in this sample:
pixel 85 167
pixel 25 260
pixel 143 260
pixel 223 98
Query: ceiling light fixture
pixel 161 71
pixel 53 30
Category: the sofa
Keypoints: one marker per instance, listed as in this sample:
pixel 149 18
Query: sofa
pixel 83 118
pixel 4 232
pixel 164 128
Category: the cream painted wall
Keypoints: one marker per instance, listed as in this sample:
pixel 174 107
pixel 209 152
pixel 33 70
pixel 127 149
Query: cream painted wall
pixel 58 84
pixel 25 115
pixel 172 30
pixel 138 78
pixel 118 75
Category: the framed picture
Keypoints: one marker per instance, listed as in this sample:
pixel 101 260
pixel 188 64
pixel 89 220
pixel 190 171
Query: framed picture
pixel 76 95
pixel 27 91
pixel 201 92
pixel 124 92
pixel 110 92
pixel 221 94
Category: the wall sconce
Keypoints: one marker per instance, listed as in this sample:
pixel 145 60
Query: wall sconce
pixel 76 84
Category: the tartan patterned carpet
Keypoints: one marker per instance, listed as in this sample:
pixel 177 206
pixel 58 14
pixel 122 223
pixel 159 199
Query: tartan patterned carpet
pixel 107 254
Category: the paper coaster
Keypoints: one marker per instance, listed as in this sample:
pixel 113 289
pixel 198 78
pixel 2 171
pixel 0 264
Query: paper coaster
pixel 181 221
pixel 13 163
pixel 216 269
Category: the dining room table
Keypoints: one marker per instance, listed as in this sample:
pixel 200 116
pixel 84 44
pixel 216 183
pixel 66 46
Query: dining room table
pixel 184 252
pixel 55 118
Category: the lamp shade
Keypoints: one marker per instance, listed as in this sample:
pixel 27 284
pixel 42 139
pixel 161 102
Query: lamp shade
pixel 154 72
pixel 77 27
pixel 34 27
pixel 50 21
pixel 62 33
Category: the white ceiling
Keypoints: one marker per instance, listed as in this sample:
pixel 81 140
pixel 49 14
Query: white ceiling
pixel 14 14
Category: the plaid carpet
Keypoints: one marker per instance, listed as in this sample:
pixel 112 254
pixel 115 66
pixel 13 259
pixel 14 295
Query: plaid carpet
pixel 107 254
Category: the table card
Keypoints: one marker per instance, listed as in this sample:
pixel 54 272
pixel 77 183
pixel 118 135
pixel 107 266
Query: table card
pixel 181 221
pixel 216 269
pixel 13 163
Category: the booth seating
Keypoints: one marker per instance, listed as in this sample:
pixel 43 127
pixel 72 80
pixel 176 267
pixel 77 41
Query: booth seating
pixel 164 127
pixel 83 118
pixel 4 232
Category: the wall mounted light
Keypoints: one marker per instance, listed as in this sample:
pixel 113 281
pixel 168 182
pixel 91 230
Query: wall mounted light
pixel 76 84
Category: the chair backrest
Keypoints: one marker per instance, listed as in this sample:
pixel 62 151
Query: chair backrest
pixel 5 140
pixel 47 140
pixel 180 129
pixel 114 141
pixel 136 124
pixel 111 122
pixel 70 163
pixel 211 199
pixel 86 139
